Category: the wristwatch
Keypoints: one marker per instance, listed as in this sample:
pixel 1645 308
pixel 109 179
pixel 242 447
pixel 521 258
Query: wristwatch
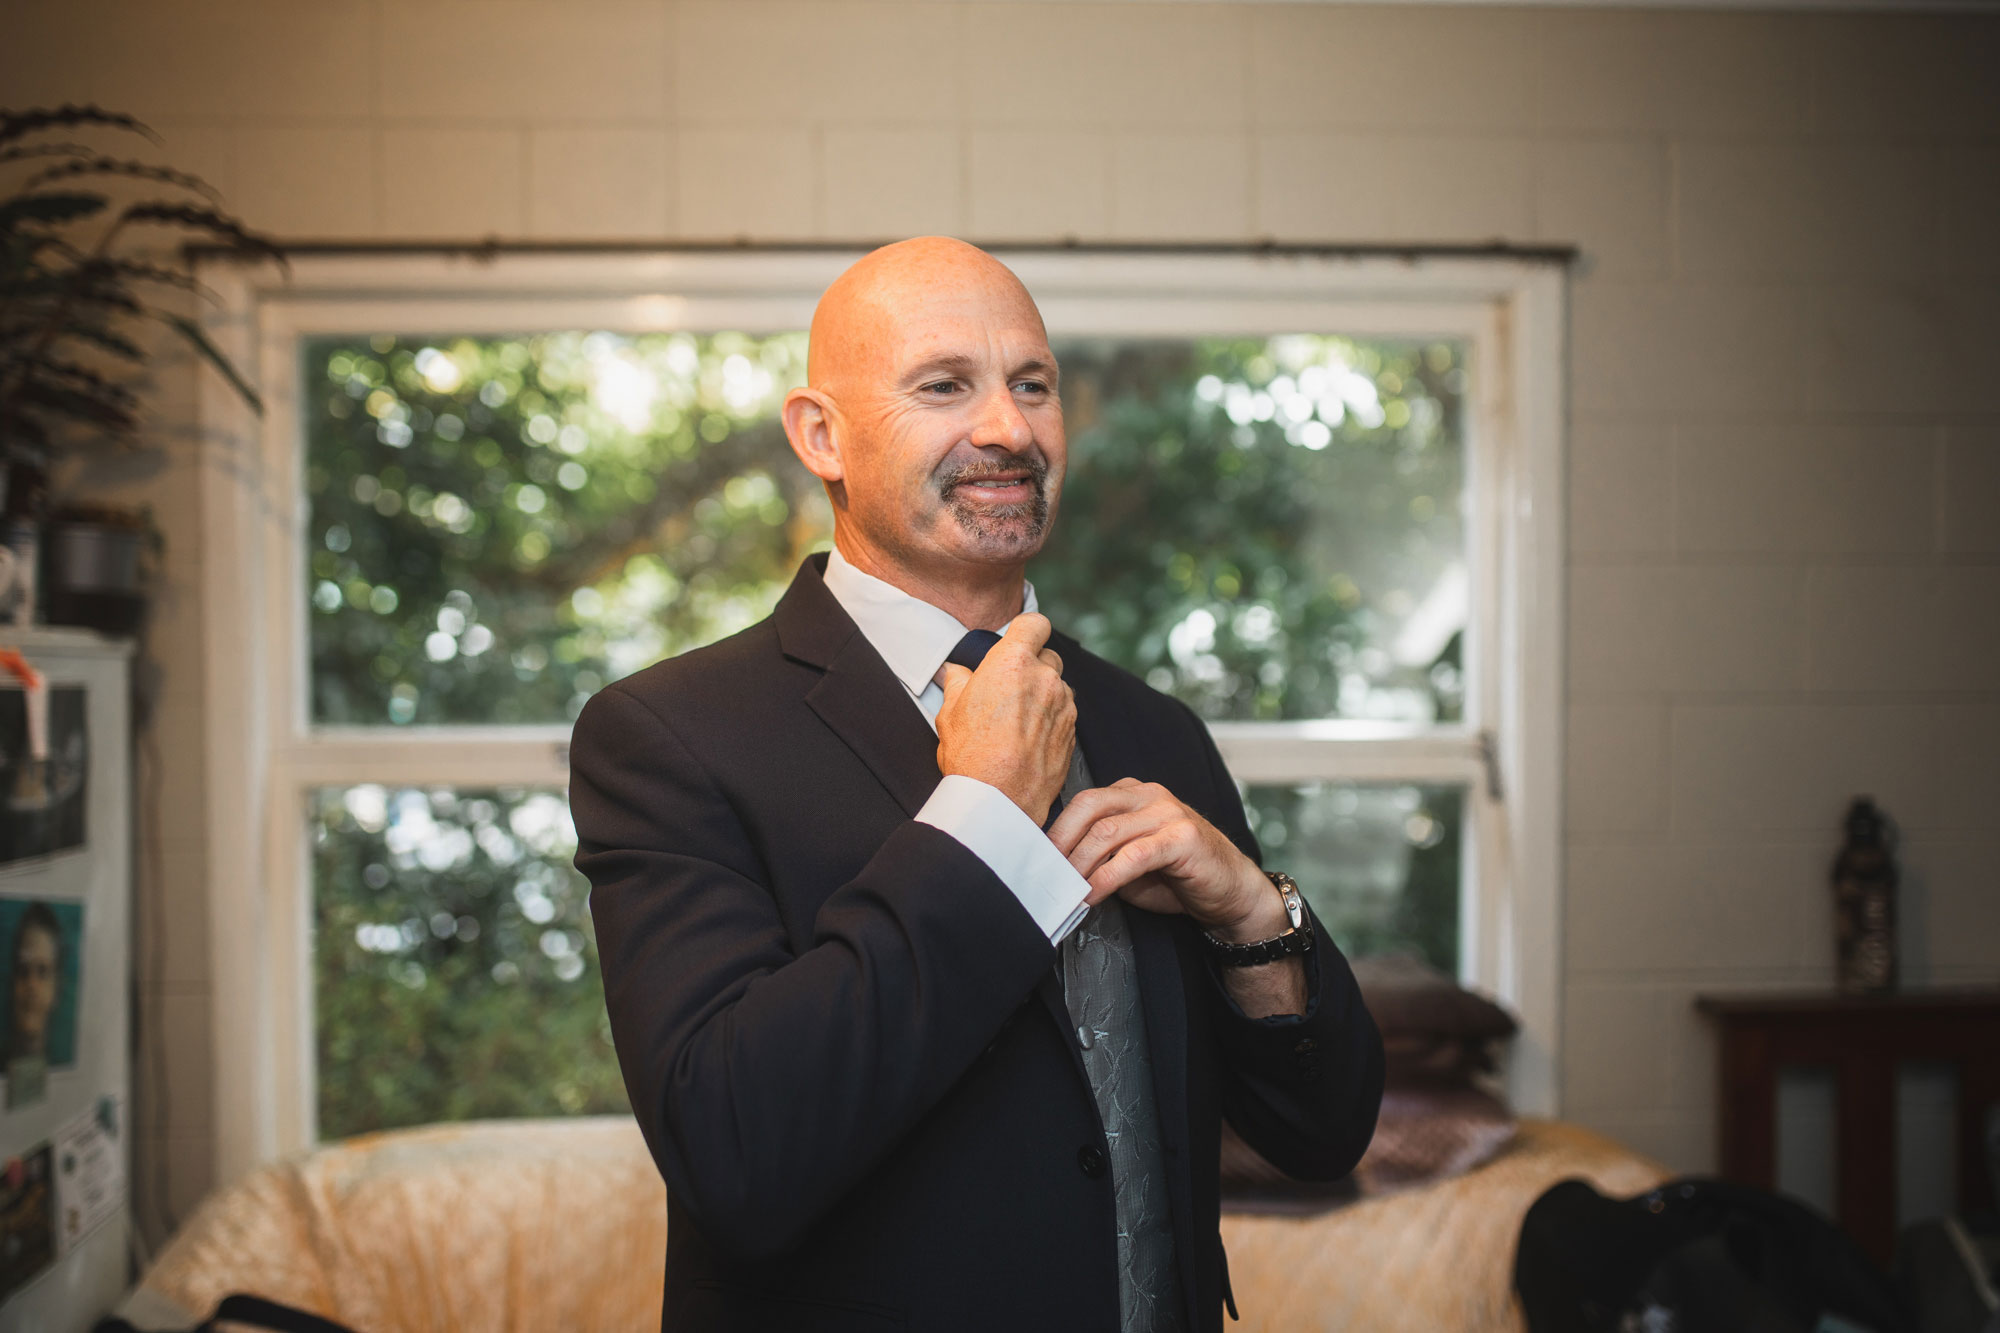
pixel 1297 940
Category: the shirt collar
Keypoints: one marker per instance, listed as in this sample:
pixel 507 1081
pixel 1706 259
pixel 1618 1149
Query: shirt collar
pixel 912 636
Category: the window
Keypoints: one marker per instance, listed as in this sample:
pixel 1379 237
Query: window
pixel 1298 499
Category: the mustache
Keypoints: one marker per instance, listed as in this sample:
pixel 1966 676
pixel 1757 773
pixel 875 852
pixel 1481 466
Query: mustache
pixel 985 469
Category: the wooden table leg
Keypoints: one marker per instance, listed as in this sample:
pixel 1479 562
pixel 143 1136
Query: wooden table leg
pixel 1747 1128
pixel 1865 1152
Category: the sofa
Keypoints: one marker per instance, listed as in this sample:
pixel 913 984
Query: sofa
pixel 561 1224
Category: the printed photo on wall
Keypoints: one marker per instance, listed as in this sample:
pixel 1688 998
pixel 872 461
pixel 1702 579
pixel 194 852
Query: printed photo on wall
pixel 27 1218
pixel 44 772
pixel 40 992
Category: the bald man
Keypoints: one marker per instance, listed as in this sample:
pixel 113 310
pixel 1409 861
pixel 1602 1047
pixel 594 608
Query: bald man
pixel 937 948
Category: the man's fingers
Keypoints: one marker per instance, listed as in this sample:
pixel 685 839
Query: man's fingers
pixel 1134 859
pixel 1029 630
pixel 1083 810
pixel 1051 659
pixel 955 677
pixel 1114 831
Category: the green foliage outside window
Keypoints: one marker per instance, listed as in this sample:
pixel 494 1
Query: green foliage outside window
pixel 500 527
pixel 1226 540
pixel 456 973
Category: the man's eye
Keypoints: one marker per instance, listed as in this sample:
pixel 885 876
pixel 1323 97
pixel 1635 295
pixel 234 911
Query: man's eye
pixel 1032 386
pixel 942 386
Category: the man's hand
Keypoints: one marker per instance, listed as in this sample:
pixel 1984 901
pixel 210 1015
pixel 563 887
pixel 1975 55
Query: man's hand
pixel 1012 723
pixel 1138 840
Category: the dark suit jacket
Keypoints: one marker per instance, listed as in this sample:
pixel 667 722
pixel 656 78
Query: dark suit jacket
pixel 842 1034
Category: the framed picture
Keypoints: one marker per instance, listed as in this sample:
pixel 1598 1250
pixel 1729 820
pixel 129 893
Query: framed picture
pixel 40 991
pixel 42 801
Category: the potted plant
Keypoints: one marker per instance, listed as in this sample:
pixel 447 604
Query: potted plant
pixel 74 293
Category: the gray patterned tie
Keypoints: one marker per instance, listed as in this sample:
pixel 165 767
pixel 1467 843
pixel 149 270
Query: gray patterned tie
pixel 1100 980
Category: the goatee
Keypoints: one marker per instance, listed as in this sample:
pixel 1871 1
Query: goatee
pixel 1024 520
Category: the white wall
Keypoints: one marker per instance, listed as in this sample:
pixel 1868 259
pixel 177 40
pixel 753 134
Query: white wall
pixel 1785 483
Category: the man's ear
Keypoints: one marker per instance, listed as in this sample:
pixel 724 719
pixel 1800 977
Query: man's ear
pixel 811 424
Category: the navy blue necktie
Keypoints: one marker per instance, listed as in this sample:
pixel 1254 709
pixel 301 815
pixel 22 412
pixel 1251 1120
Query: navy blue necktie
pixel 972 649
pixel 969 653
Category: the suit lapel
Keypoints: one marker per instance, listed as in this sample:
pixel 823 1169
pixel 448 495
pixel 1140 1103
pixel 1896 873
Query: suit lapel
pixel 857 696
pixel 868 708
pixel 1163 997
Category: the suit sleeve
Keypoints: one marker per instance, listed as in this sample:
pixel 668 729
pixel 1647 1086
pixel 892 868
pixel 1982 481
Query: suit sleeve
pixel 1302 1089
pixel 769 1082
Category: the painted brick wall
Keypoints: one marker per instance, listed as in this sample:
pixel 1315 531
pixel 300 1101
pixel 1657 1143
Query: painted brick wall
pixel 1785 459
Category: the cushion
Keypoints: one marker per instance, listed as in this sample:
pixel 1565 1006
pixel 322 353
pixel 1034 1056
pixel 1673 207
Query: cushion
pixel 1409 997
pixel 1433 1029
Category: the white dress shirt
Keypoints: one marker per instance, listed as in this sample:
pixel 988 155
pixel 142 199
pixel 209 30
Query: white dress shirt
pixel 915 638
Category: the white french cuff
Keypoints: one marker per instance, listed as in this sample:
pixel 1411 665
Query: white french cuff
pixel 996 831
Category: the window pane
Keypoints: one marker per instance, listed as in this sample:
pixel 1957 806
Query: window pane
pixel 1380 865
pixel 499 526
pixel 456 971
pixel 1268 528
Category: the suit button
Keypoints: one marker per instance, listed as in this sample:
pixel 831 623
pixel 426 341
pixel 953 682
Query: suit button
pixel 1305 1047
pixel 1090 1158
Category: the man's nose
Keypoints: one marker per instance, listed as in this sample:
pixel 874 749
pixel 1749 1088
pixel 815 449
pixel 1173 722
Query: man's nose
pixel 1001 422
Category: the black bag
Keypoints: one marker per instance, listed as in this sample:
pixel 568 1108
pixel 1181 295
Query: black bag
pixel 1694 1256
pixel 250 1311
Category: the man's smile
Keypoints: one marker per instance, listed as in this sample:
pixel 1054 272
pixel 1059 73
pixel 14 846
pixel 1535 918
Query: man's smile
pixel 996 489
pixel 1015 489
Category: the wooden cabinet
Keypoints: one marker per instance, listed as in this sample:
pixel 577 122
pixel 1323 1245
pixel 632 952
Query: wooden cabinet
pixel 1862 1040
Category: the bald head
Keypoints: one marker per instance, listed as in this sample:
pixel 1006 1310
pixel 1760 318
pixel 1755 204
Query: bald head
pixel 930 411
pixel 898 293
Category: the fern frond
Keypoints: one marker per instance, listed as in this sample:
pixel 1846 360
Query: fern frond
pixel 213 221
pixel 16 124
pixel 111 166
pixel 46 150
pixel 48 208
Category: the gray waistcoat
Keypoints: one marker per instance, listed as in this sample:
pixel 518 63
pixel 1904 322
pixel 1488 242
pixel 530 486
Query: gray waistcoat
pixel 1100 981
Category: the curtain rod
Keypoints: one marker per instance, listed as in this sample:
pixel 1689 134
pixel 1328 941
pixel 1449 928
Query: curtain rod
pixel 494 248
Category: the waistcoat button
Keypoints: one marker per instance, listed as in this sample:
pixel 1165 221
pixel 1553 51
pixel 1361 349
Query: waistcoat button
pixel 1090 1158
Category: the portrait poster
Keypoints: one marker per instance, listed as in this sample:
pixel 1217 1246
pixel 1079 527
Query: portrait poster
pixel 41 976
pixel 27 1218
pixel 42 799
pixel 90 1173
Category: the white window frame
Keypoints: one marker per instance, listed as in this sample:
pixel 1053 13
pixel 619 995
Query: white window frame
pixel 263 755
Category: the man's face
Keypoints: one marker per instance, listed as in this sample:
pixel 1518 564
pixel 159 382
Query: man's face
pixel 952 444
pixel 34 991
